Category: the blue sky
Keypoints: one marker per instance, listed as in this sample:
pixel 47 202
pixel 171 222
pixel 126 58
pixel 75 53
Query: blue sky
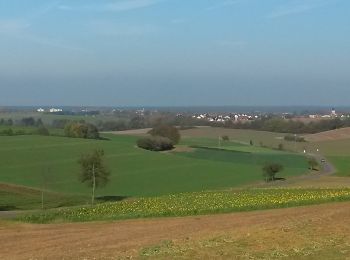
pixel 175 52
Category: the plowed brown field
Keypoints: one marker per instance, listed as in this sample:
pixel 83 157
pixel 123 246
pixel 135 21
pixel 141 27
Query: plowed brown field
pixel 257 232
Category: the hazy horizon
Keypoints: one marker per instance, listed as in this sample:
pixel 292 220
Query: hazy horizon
pixel 175 53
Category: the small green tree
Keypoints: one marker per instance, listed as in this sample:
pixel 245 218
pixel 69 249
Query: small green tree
pixel 270 170
pixel 42 130
pixel 280 147
pixel 225 138
pixel 313 164
pixel 93 171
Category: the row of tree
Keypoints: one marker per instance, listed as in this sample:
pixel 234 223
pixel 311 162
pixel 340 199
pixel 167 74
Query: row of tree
pixel 41 130
pixel 289 126
pixel 26 121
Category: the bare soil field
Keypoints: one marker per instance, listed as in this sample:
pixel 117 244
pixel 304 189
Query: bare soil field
pixel 322 182
pixel 314 231
pixel 338 134
pixel 130 132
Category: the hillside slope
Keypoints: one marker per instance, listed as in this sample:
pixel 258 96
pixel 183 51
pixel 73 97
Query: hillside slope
pixel 338 134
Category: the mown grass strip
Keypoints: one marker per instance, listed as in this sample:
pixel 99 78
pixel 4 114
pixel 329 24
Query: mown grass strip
pixel 198 203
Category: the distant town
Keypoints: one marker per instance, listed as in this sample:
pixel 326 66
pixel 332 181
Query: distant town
pixel 206 116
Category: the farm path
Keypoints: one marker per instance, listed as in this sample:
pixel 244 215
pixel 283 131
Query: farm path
pixel 328 168
pixel 114 240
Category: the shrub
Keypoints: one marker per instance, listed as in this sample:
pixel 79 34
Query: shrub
pixel 28 121
pixel 81 130
pixel 167 131
pixel 225 138
pixel 280 147
pixel 42 130
pixel 8 132
pixel 155 143
pixel 21 132
pixel 60 123
pixel 313 164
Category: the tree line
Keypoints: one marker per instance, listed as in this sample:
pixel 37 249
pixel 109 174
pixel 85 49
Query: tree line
pixel 76 129
pixel 289 126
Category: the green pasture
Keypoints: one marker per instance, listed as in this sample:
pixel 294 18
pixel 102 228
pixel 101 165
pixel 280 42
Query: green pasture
pixel 336 151
pixel 25 199
pixel 236 145
pixel 243 136
pixel 28 160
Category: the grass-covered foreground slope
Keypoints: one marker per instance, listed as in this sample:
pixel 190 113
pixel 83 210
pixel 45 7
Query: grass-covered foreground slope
pixel 193 204
pixel 338 152
pixel 22 198
pixel 34 160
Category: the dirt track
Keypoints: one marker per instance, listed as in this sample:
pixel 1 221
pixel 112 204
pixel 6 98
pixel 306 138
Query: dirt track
pixel 126 238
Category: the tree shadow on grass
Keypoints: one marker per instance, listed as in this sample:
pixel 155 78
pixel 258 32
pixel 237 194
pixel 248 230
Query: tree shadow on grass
pixel 7 207
pixel 103 138
pixel 111 198
pixel 279 179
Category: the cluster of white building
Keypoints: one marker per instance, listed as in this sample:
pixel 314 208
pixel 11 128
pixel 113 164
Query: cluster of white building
pixel 333 114
pixel 51 110
pixel 225 118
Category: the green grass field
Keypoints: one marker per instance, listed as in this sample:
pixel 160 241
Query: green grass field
pixel 28 160
pixel 23 198
pixel 336 151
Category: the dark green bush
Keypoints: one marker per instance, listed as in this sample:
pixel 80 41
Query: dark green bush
pixel 8 132
pixel 42 130
pixel 81 130
pixel 155 143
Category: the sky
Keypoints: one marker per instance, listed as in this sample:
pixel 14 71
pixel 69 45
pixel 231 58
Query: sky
pixel 174 52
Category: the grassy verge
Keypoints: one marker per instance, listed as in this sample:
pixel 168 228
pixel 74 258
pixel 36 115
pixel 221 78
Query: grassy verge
pixel 342 163
pixel 198 203
pixel 14 197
